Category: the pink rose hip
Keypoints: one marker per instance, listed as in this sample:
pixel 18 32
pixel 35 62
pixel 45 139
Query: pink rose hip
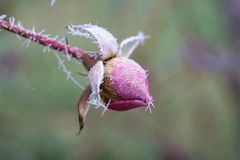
pixel 127 81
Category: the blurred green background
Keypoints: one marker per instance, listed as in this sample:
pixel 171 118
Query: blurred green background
pixel 192 58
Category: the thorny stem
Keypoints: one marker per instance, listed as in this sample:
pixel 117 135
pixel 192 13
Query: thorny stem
pixel 52 43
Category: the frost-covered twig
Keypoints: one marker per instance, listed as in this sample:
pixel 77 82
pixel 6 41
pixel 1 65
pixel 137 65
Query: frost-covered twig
pixel 116 82
pixel 45 40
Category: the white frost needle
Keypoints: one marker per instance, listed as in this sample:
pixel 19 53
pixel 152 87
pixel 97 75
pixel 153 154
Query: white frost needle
pixel 2 17
pixel 53 2
pixel 12 22
pixel 66 71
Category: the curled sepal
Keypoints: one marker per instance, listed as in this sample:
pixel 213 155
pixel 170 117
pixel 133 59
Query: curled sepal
pixel 95 78
pixel 83 107
pixel 128 45
pixel 106 42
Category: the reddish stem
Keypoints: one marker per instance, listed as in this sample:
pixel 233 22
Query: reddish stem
pixel 49 42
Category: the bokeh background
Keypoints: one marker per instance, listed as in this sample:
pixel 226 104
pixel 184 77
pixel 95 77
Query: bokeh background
pixel 193 58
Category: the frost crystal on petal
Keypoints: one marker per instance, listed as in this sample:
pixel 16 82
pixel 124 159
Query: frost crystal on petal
pixel 128 45
pixel 95 78
pixel 106 42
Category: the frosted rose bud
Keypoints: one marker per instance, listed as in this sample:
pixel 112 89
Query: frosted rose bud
pixel 115 82
pixel 125 85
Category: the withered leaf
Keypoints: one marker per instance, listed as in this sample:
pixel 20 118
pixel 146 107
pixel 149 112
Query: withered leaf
pixel 83 107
